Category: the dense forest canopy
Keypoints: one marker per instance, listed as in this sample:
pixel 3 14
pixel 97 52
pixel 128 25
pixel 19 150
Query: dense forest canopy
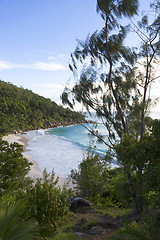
pixel 21 109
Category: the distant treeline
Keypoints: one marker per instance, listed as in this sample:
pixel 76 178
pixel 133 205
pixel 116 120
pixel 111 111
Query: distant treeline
pixel 21 109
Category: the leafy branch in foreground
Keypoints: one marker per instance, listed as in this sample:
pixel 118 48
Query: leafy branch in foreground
pixel 13 224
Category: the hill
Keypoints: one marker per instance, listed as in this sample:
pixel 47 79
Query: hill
pixel 21 109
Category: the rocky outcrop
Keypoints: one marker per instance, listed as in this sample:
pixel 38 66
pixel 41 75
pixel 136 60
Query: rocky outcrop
pixel 15 132
pixel 77 202
pixel 53 124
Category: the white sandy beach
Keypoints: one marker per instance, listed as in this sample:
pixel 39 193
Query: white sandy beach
pixel 35 171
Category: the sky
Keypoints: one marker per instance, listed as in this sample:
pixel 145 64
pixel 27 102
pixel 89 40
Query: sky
pixel 37 37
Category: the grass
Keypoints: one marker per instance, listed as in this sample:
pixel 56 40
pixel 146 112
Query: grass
pixel 68 221
pixel 65 236
pixel 89 224
pixel 86 218
pixel 114 212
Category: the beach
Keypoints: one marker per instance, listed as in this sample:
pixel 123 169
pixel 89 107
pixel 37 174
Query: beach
pixel 35 171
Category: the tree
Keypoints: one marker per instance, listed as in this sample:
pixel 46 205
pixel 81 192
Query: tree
pixel 91 177
pixel 22 109
pixel 13 168
pixel 110 85
pixel 45 202
pixel 145 75
pixel 152 169
pixel 148 63
pixel 106 49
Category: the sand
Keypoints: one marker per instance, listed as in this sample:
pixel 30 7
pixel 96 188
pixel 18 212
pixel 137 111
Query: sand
pixel 35 171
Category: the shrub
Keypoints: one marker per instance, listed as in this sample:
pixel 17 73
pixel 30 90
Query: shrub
pixel 47 203
pixel 146 230
pixel 13 224
pixel 100 184
pixel 91 177
pixel 13 168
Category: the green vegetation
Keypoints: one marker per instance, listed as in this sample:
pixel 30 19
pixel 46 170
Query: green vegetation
pixel 116 84
pixel 21 109
pixel 39 208
pixel 46 202
pixel 148 229
pixel 140 158
pixel 110 187
pixel 13 168
pixel 91 177
pixel 35 209
pixel 133 138
pixel 88 224
pixel 14 225
pixel 66 236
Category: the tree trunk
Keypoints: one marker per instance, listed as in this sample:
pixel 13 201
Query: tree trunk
pixel 140 191
pixel 133 195
pixel 132 192
pixel 144 102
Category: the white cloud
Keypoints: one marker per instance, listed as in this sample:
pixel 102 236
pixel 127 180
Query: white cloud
pixel 51 58
pixel 8 65
pixel 46 66
pixel 59 57
pixel 50 86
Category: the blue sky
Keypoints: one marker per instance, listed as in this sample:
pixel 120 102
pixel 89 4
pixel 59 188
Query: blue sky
pixel 37 37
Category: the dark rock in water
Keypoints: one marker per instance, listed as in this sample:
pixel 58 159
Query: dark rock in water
pixel 77 202
pixel 15 132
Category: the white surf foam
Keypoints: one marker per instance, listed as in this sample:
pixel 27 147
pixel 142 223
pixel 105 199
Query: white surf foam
pixel 53 152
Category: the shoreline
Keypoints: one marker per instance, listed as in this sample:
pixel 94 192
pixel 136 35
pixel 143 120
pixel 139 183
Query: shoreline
pixel 35 171
pixel 48 125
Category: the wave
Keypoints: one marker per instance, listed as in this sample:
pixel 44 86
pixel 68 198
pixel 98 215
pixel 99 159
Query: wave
pixel 54 152
pixel 41 131
pixel 61 149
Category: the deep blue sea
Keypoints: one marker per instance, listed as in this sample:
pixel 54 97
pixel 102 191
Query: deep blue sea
pixel 63 148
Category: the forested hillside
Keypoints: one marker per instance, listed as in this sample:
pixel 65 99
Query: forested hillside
pixel 21 109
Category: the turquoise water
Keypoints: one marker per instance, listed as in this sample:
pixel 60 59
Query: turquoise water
pixel 63 148
pixel 80 136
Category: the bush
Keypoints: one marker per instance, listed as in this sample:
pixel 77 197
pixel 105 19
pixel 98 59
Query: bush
pixel 146 230
pixel 100 184
pixel 118 187
pixel 13 168
pixel 47 203
pixel 14 225
pixel 91 177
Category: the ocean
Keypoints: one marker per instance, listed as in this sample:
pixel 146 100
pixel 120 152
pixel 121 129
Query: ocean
pixel 63 148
